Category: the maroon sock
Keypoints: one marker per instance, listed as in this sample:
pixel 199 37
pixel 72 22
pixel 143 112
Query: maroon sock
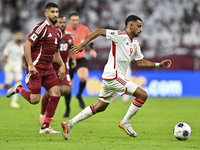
pixel 24 93
pixel 50 110
pixel 44 103
pixel 46 123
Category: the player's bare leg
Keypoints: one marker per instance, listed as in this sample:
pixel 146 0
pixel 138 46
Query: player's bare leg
pixel 135 106
pixel 65 90
pixel 82 73
pixel 84 114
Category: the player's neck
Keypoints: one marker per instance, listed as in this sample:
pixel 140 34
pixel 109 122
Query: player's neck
pixel 130 34
pixel 51 24
pixel 63 34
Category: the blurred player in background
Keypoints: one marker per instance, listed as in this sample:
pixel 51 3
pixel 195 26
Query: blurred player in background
pixel 124 48
pixel 65 85
pixel 13 59
pixel 40 49
pixel 80 32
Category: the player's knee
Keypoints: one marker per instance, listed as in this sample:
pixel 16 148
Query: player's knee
pixel 83 79
pixel 64 92
pixel 144 96
pixel 35 100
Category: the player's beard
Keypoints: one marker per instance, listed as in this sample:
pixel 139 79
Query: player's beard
pixel 54 22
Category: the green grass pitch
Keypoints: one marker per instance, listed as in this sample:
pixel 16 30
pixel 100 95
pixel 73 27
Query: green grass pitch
pixel 154 123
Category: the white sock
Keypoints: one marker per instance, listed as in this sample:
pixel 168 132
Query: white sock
pixel 14 98
pixel 131 111
pixel 84 114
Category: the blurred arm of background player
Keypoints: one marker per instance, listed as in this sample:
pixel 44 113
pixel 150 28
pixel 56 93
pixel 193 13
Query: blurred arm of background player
pixel 57 58
pixel 73 59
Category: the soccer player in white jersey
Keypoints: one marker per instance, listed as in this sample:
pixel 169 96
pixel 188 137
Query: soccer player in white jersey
pixel 124 47
pixel 13 58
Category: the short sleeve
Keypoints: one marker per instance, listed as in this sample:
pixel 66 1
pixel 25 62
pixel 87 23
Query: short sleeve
pixel 36 34
pixel 71 40
pixel 88 32
pixel 6 50
pixel 138 54
pixel 112 35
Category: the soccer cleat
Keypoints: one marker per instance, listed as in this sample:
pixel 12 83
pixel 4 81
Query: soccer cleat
pixel 48 130
pixel 128 129
pixel 81 102
pixel 14 105
pixel 13 90
pixel 67 128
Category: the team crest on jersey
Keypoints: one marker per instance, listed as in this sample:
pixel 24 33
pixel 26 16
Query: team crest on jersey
pixel 33 37
pixel 135 46
pixel 112 33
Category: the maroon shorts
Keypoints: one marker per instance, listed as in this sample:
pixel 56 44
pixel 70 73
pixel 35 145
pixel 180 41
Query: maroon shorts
pixel 66 80
pixel 46 78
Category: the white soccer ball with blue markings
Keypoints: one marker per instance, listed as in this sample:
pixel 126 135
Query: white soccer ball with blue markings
pixel 182 131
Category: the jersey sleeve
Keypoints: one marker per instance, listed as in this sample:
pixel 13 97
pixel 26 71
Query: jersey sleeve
pixel 37 33
pixel 138 54
pixel 112 35
pixel 6 49
pixel 88 32
pixel 71 41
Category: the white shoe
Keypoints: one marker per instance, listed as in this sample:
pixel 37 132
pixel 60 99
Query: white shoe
pixel 48 130
pixel 13 90
pixel 14 105
pixel 127 128
pixel 67 128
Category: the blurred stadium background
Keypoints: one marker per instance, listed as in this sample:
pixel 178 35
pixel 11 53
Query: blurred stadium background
pixel 171 29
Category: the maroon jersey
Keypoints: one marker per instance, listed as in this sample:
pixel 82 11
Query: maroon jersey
pixel 65 44
pixel 45 40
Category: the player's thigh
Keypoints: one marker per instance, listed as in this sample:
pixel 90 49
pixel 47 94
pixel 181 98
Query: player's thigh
pixel 106 94
pixel 82 73
pixel 18 75
pixel 54 91
pixel 9 76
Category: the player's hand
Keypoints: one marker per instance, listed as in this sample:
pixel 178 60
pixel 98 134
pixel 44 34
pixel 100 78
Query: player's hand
pixel 93 53
pixel 77 48
pixel 61 72
pixel 73 64
pixel 32 69
pixel 165 63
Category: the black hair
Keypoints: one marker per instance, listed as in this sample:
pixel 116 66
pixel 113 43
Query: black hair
pixel 132 18
pixel 49 5
pixel 73 13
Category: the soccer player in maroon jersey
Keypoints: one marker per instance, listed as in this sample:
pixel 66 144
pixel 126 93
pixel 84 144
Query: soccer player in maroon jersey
pixel 65 85
pixel 40 49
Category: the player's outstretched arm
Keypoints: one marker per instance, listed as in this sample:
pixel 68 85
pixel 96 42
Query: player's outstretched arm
pixel 27 53
pixel 79 48
pixel 147 64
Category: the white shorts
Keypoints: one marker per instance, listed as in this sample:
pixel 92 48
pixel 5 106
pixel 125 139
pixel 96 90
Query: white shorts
pixel 120 85
pixel 12 74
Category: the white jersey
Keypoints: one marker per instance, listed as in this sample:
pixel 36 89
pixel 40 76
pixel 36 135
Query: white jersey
pixel 14 54
pixel 122 51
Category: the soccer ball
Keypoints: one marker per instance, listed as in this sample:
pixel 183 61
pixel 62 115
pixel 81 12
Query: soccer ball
pixel 182 131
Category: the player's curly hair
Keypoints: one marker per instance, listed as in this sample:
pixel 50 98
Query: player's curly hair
pixel 132 18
